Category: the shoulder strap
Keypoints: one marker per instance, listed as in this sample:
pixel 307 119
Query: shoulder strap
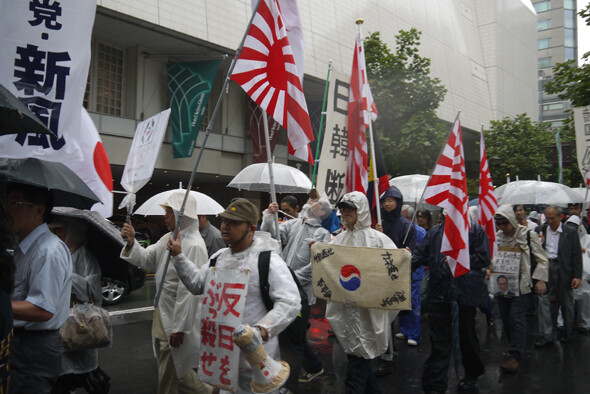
pixel 213 261
pixel 263 268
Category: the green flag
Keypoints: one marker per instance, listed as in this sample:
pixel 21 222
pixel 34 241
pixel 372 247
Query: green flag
pixel 189 86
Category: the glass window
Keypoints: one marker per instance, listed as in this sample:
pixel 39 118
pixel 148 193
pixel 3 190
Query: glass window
pixel 569 18
pixel 569 39
pixel 569 4
pixel 109 80
pixel 553 107
pixel 544 62
pixel 544 43
pixel 544 24
pixel 542 6
pixel 570 53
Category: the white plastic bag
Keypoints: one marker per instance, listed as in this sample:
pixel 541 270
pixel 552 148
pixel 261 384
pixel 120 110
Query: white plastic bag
pixel 87 327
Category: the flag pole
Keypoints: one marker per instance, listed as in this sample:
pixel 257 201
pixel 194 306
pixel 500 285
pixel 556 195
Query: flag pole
pixel 316 160
pixel 359 22
pixel 207 133
pixel 431 172
pixel 269 160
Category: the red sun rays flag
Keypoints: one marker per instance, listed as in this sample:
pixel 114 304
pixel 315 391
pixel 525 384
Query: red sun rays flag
pixel 266 71
pixel 447 189
pixel 487 204
pixel 360 99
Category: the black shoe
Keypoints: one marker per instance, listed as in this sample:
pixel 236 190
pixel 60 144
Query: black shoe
pixel 584 330
pixel 491 321
pixel 468 384
pixel 385 368
pixel 564 339
pixel 542 343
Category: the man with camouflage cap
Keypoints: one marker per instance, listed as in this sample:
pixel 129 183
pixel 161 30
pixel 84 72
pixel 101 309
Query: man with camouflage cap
pixel 238 225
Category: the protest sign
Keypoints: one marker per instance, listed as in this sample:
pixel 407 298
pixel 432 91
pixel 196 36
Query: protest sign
pixel 504 280
pixel 367 277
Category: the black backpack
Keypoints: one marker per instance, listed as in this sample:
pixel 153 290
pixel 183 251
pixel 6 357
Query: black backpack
pixel 298 327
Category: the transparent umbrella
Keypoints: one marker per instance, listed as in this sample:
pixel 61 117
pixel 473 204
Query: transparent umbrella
pixel 538 193
pixel 287 179
pixel 205 204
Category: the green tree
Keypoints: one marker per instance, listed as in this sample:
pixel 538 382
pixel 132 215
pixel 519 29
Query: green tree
pixel 406 96
pixel 570 82
pixel 520 147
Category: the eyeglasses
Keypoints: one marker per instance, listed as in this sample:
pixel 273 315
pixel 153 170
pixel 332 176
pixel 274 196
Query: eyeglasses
pixel 8 204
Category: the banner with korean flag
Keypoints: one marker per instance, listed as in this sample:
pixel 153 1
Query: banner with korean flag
pixel 44 60
pixel 366 277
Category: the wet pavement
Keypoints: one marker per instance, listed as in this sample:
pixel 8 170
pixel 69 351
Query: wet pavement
pixel 559 368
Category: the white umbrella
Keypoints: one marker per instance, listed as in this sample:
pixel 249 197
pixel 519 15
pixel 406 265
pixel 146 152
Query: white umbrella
pixel 538 193
pixel 205 204
pixel 411 186
pixel 286 179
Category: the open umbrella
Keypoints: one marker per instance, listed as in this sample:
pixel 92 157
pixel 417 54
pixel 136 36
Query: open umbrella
pixel 287 179
pixel 411 186
pixel 537 193
pixel 69 190
pixel 16 117
pixel 205 204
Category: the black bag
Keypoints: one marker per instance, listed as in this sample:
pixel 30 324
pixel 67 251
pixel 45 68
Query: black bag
pixel 298 327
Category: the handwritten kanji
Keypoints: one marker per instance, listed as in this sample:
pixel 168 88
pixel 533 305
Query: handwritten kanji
pixel 207 359
pixel 224 368
pixel 208 332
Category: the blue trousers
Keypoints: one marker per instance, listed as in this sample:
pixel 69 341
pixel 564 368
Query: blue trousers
pixel 513 312
pixel 409 321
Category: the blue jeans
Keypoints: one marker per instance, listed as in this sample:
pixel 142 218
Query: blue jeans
pixel 409 321
pixel 513 312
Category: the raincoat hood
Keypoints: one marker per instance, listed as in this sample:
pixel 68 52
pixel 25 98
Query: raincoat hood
pixel 362 209
pixel 507 212
pixel 394 192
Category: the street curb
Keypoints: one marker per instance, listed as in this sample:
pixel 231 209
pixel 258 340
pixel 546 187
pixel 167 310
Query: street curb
pixel 127 316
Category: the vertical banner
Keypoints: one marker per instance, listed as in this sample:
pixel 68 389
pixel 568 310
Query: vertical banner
pixel 144 150
pixel 44 60
pixel 189 87
pixel 257 133
pixel 224 299
pixel 334 156
pixel 582 125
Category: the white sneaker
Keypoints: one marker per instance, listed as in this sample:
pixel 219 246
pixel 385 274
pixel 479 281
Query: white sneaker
pixel 411 342
pixel 399 335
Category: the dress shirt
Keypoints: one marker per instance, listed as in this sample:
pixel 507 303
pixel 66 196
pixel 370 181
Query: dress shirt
pixel 552 241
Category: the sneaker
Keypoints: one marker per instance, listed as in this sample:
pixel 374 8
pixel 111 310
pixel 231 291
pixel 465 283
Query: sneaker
pixel 468 384
pixel 411 342
pixel 510 364
pixel 385 368
pixel 399 335
pixel 307 377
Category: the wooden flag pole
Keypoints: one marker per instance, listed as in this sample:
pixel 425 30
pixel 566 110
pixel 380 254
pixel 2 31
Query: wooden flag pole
pixel 207 133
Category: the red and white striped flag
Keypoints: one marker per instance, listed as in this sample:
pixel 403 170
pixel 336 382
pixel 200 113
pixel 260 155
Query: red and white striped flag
pixel 487 204
pixel 360 100
pixel 588 178
pixel 447 189
pixel 266 70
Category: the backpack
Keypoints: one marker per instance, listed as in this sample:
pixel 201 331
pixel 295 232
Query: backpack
pixel 298 327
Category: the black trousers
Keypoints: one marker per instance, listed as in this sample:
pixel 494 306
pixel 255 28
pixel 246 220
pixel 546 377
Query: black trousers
pixel 291 346
pixel 436 368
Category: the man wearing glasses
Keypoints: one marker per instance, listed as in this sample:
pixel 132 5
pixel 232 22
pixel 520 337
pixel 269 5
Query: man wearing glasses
pixel 564 251
pixel 41 298
pixel 513 309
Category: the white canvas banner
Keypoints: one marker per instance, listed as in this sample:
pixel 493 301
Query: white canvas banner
pixel 44 59
pixel 224 299
pixel 367 277
pixel 505 276
pixel 331 175
pixel 145 147
pixel 582 125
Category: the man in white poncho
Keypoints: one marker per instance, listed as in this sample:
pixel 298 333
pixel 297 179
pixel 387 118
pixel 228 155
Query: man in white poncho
pixel 175 326
pixel 362 333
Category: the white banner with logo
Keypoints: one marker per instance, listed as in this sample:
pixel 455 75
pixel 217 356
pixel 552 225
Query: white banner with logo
pixel 582 125
pixel 367 277
pixel 331 176
pixel 44 59
pixel 145 147
pixel 224 299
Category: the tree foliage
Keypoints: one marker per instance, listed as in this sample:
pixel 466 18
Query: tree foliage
pixel 406 96
pixel 520 147
pixel 570 82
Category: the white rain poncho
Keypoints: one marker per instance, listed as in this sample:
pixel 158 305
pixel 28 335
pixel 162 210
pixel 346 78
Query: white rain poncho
pixel 283 292
pixel 361 332
pixel 178 307
pixel 296 234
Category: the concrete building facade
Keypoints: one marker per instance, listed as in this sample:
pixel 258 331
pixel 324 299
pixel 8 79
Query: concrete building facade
pixel 484 51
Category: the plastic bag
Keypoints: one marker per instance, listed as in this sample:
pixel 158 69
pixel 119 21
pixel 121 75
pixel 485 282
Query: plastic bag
pixel 87 327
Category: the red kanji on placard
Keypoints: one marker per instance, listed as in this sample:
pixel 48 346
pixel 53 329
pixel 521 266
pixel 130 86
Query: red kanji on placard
pixel 229 299
pixel 206 360
pixel 213 299
pixel 224 368
pixel 208 332
pixel 225 337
